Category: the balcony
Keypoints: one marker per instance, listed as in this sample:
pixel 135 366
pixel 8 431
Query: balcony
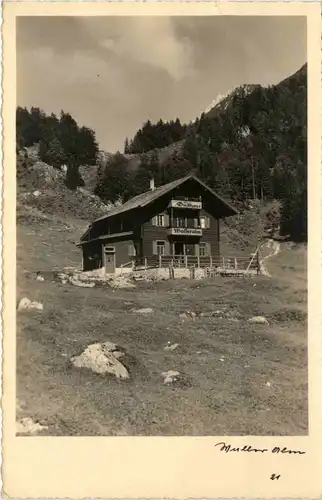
pixel 186 204
pixel 184 231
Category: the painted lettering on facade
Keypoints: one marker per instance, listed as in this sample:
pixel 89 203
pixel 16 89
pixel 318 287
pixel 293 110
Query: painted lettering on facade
pixel 196 205
pixel 184 231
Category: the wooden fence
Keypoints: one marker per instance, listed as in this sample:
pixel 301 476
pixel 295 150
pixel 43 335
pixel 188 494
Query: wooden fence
pixel 227 264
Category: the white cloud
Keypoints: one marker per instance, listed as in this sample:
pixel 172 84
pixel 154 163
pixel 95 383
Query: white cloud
pixel 148 40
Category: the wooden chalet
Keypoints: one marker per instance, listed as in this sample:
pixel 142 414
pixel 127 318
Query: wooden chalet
pixel 177 223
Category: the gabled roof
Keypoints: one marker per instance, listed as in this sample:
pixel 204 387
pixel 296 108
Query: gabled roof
pixel 148 197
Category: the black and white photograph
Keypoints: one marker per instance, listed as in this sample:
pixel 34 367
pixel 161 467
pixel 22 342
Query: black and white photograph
pixel 161 226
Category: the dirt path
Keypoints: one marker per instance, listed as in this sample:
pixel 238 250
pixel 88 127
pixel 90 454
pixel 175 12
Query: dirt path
pixel 275 248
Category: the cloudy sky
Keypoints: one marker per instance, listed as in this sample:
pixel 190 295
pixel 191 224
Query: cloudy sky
pixel 112 74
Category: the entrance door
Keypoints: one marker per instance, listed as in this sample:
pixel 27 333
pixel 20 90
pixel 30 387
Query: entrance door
pixel 110 263
pixel 109 260
pixel 178 248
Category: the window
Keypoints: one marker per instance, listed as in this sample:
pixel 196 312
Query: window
pixel 204 222
pixel 160 247
pixel 202 249
pixel 181 222
pixel 159 220
pixel 132 251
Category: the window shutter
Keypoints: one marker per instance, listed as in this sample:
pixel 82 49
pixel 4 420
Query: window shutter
pixel 208 222
pixel 195 222
pixel 166 220
pixel 154 221
pixel 154 248
pixel 167 248
pixel 208 249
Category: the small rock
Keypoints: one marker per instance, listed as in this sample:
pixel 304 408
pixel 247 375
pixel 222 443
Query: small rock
pixel 36 193
pixel 182 315
pixel 144 310
pixel 63 281
pixel 171 347
pixel 26 305
pixel 170 377
pixel 28 426
pixel 260 320
pixel 268 384
pixel 82 284
pixel 40 278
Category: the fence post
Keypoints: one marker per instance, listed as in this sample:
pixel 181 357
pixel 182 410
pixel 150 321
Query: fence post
pixel 258 262
pixel 236 265
pixel 210 260
pixel 186 261
pixel 223 262
pixel 160 260
pixel 145 263
pixel 198 261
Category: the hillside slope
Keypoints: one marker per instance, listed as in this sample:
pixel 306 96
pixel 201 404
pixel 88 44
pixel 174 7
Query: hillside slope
pixel 42 186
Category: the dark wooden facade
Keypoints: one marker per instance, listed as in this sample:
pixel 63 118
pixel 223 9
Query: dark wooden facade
pixel 142 227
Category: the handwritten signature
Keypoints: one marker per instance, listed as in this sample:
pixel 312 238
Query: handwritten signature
pixel 227 448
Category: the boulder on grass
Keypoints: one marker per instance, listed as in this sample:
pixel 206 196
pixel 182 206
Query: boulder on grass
pixel 170 377
pixel 27 305
pixel 102 359
pixel 259 320
pixel 144 310
pixel 28 426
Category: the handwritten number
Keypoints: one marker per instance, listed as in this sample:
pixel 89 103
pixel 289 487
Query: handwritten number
pixel 274 476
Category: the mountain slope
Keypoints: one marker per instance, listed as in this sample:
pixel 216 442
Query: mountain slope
pixel 248 107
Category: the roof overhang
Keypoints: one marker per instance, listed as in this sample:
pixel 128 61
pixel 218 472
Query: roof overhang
pixel 106 237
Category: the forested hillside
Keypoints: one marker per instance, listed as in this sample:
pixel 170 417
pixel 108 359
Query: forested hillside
pixel 61 141
pixel 158 135
pixel 251 145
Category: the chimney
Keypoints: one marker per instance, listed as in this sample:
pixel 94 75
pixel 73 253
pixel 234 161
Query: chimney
pixel 152 188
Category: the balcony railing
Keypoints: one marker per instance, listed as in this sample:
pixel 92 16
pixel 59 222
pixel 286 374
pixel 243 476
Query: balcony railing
pixel 190 204
pixel 184 231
